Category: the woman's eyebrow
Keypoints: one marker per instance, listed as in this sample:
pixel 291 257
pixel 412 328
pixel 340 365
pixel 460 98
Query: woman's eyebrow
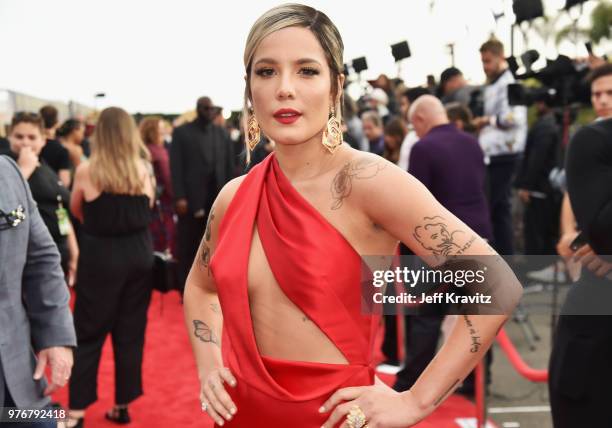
pixel 299 61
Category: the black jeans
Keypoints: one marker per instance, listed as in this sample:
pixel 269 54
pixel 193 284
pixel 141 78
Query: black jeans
pixel 500 173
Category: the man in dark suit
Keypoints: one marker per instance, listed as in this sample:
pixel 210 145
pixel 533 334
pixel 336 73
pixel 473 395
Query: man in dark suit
pixel 450 163
pixel 201 162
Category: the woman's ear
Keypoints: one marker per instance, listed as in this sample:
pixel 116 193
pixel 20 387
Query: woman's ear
pixel 248 89
pixel 340 87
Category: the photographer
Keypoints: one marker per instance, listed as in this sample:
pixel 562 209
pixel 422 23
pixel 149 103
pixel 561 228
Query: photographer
pixel 503 129
pixel 580 369
pixel 542 202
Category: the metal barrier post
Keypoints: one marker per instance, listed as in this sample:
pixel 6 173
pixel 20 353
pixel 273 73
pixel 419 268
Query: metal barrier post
pixel 481 405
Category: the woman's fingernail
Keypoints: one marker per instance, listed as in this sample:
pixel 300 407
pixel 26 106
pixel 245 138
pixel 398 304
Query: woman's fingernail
pixel 228 416
pixel 321 409
pixel 233 410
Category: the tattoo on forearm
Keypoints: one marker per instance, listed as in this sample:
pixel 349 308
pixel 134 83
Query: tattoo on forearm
pixel 203 332
pixel 215 308
pixel 447 392
pixel 435 235
pixel 476 344
pixel 466 246
pixel 342 183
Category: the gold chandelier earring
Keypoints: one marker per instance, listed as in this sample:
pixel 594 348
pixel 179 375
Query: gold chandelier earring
pixel 332 134
pixel 253 132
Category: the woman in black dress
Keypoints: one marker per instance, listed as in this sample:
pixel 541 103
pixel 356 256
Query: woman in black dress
pixel 112 196
pixel 26 141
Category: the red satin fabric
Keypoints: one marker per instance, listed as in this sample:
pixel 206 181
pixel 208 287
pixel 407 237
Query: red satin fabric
pixel 319 271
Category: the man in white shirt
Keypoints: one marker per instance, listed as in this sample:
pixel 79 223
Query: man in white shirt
pixel 503 131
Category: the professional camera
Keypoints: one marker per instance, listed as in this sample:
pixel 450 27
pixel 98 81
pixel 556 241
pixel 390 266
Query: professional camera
pixel 561 83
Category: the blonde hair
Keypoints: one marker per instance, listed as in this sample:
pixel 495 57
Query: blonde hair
pixel 296 15
pixel 117 151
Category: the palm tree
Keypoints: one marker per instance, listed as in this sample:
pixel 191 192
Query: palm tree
pixel 601 22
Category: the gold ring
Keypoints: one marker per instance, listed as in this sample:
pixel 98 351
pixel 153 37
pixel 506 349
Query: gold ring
pixel 356 418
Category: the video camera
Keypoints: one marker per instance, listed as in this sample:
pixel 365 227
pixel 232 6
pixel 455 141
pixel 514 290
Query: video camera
pixel 562 82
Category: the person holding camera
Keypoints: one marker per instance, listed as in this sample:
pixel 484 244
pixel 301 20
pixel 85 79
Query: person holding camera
pixel 580 372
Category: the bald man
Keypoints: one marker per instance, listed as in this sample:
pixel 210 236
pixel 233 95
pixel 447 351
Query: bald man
pixel 450 163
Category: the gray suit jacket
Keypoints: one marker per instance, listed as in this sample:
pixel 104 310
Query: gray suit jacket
pixel 34 312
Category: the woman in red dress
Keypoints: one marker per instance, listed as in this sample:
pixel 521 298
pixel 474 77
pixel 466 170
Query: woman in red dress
pixel 273 299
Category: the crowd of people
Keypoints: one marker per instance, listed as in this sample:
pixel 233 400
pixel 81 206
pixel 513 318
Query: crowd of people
pixel 112 196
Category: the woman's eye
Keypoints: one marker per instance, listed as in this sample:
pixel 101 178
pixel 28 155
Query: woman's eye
pixel 309 71
pixel 265 72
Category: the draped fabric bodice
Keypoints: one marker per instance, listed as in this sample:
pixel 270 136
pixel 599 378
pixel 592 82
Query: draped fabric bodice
pixel 319 271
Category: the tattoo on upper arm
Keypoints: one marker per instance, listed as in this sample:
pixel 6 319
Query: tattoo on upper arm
pixel 203 332
pixel 342 183
pixel 205 248
pixel 447 392
pixel 435 235
pixel 215 308
pixel 475 345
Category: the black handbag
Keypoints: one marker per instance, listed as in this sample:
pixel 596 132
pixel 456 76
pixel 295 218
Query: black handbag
pixel 165 272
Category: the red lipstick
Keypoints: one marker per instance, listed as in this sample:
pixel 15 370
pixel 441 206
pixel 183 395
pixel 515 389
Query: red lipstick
pixel 287 116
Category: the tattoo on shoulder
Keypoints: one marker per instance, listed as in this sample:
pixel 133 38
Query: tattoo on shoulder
pixel 203 332
pixel 435 235
pixel 342 183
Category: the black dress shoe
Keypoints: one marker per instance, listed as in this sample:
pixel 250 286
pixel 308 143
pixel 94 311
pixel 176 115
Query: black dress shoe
pixel 118 415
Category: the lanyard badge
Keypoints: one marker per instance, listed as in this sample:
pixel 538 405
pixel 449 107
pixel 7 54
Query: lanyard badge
pixel 62 218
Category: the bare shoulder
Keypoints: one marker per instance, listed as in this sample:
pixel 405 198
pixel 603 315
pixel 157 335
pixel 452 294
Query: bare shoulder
pixel 226 195
pixel 81 173
pixel 361 175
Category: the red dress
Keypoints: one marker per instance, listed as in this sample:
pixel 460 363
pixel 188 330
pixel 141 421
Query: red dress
pixel 319 271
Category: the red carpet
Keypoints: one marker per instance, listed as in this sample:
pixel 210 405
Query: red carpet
pixel 171 385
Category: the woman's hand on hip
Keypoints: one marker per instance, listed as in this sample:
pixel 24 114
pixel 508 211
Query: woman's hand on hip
pixel 214 398
pixel 382 407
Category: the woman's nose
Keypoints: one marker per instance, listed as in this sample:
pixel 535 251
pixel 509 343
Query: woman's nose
pixel 285 88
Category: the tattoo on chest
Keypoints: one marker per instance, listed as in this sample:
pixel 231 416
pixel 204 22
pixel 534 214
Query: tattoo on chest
pixel 203 332
pixel 435 235
pixel 342 183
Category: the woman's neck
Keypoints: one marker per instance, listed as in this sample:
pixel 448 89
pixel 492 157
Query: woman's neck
pixel 304 161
